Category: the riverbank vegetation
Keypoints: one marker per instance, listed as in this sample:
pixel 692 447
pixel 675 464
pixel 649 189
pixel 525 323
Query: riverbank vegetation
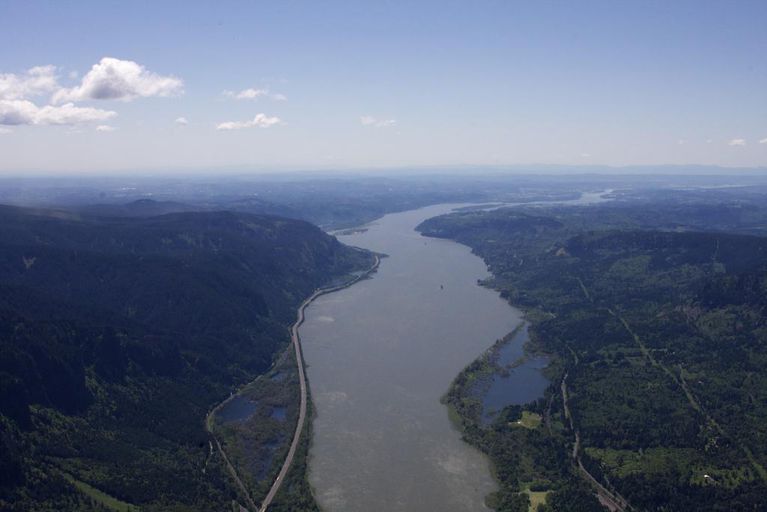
pixel 255 429
pixel 117 336
pixel 654 312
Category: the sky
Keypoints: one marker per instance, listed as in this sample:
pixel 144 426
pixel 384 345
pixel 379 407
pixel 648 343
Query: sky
pixel 104 87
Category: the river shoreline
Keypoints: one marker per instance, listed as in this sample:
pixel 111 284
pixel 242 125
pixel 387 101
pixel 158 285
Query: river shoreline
pixel 350 237
pixel 304 406
pixel 377 379
pixel 296 342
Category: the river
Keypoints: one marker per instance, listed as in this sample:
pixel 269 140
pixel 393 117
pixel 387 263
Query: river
pixel 379 356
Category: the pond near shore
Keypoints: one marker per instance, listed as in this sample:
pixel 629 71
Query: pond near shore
pixel 380 355
pixel 239 408
pixel 520 380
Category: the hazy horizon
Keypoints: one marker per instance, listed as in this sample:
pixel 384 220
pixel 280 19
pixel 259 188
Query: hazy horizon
pixel 457 171
pixel 436 171
pixel 502 255
pixel 180 86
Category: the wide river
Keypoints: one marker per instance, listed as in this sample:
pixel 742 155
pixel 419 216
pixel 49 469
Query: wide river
pixel 380 354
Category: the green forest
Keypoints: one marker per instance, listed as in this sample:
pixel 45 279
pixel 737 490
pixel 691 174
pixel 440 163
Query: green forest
pixel 117 336
pixel 653 312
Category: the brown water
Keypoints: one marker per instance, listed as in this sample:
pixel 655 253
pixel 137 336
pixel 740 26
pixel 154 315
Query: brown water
pixel 380 355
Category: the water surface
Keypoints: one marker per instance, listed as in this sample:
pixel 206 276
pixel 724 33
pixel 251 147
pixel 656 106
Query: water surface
pixel 279 413
pixel 238 408
pixel 521 381
pixel 380 355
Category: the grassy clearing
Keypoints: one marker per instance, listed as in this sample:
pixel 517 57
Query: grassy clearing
pixel 100 497
pixel 536 498
pixel 625 463
pixel 663 461
pixel 529 420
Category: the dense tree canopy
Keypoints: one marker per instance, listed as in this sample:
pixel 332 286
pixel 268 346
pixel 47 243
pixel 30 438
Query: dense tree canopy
pixel 655 315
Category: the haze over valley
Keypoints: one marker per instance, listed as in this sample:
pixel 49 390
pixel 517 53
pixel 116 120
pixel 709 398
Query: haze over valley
pixel 399 257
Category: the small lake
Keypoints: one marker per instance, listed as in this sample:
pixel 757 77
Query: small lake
pixel 238 408
pixel 518 383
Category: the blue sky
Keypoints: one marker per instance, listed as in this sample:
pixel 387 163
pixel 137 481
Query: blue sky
pixel 384 84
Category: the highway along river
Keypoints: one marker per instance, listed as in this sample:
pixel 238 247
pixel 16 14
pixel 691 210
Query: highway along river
pixel 379 356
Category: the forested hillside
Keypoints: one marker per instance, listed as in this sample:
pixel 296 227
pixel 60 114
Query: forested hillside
pixel 656 319
pixel 118 335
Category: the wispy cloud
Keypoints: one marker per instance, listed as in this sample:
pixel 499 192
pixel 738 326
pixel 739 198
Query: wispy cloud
pixel 254 94
pixel 105 128
pixel 763 141
pixel 115 79
pixel 20 112
pixel 5 131
pixel 182 121
pixel 378 123
pixel 260 121
pixel 737 142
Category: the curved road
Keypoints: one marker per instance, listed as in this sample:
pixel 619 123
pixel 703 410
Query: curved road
pixel 295 339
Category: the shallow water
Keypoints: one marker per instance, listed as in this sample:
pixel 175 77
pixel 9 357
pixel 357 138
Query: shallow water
pixel 522 383
pixel 279 413
pixel 380 354
pixel 238 408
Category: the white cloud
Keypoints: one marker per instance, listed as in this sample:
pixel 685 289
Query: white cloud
pixel 680 142
pixel 763 141
pixel 261 121
pixel 378 123
pixel 247 94
pixel 254 94
pixel 115 79
pixel 737 142
pixel 105 128
pixel 181 121
pixel 5 131
pixel 35 81
pixel 585 155
pixel 17 112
